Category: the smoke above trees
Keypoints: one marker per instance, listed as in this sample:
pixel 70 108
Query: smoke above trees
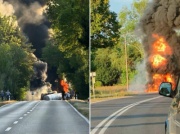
pixel 34 25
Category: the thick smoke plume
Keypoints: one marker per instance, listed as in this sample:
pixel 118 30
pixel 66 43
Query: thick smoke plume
pixel 36 94
pixel 39 76
pixel 139 82
pixel 161 17
pixel 6 9
pixel 31 20
pixel 34 25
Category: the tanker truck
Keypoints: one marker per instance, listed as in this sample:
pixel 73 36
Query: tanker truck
pixel 50 95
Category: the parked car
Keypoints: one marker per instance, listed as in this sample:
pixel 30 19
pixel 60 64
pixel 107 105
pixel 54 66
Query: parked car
pixel 172 123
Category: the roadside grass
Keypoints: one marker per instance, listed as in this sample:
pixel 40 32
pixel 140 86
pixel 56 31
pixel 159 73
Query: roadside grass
pixel 82 106
pixel 108 92
pixel 6 102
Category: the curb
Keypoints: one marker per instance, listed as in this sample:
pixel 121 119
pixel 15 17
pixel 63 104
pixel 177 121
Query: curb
pixel 79 113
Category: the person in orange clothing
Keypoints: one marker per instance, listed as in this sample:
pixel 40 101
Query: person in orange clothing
pixel 65 87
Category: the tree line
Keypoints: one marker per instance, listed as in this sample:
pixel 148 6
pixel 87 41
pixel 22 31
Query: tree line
pixel 112 39
pixel 67 50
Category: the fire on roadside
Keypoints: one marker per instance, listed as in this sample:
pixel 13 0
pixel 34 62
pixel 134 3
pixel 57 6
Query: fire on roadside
pixel 160 49
pixel 157 79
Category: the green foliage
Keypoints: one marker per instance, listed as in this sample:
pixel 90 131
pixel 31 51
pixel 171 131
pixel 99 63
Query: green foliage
pixel 70 42
pixel 110 63
pixel 128 18
pixel 21 94
pixel 104 25
pixel 98 84
pixel 106 73
pixel 16 58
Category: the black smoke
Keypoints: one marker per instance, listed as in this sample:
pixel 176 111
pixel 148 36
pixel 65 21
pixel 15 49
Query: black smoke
pixel 39 77
pixel 32 22
pixel 161 17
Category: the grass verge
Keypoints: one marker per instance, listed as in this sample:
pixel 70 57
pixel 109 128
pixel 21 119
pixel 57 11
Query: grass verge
pixel 6 102
pixel 110 92
pixel 82 106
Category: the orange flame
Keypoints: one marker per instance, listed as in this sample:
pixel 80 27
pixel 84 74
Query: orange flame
pixel 160 49
pixel 161 46
pixel 158 60
pixel 157 79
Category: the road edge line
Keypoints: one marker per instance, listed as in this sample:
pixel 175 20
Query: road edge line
pixel 79 113
pixel 111 99
pixel 10 104
pixel 122 110
pixel 96 128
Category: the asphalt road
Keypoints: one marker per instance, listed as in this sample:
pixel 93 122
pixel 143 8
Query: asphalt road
pixel 140 114
pixel 41 117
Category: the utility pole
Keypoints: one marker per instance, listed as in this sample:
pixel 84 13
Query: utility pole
pixel 93 75
pixel 125 46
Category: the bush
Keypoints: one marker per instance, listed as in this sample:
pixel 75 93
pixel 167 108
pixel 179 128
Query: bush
pixel 21 94
pixel 98 84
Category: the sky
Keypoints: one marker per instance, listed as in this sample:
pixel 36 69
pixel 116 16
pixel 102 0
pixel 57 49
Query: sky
pixel 117 5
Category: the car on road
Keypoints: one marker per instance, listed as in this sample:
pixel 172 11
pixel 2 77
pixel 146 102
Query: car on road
pixel 172 123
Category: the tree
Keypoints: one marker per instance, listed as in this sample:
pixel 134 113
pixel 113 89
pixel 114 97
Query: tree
pixel 104 25
pixel 128 18
pixel 16 58
pixel 106 72
pixel 112 60
pixel 70 41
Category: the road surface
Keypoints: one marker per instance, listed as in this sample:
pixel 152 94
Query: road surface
pixel 41 117
pixel 140 114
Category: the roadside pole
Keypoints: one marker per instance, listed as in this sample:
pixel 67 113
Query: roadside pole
pixel 93 75
pixel 125 46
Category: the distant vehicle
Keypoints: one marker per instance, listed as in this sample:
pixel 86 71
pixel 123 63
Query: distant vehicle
pixel 51 96
pixel 172 123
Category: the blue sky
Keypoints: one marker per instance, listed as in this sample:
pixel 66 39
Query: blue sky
pixel 116 5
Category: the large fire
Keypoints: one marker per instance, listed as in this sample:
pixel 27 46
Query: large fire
pixel 160 49
pixel 157 60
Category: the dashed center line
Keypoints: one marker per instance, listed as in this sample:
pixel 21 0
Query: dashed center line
pixel 15 122
pixel 21 118
pixel 9 128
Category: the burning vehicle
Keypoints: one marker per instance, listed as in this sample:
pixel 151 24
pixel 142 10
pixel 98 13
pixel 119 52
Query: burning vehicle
pixel 38 85
pixel 51 96
pixel 160 30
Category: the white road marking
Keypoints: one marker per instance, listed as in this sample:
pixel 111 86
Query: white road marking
pixel 113 116
pixel 177 123
pixel 31 110
pixel 9 128
pixel 15 122
pixel 21 118
pixel 79 113
pixel 28 112
pixel 25 114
